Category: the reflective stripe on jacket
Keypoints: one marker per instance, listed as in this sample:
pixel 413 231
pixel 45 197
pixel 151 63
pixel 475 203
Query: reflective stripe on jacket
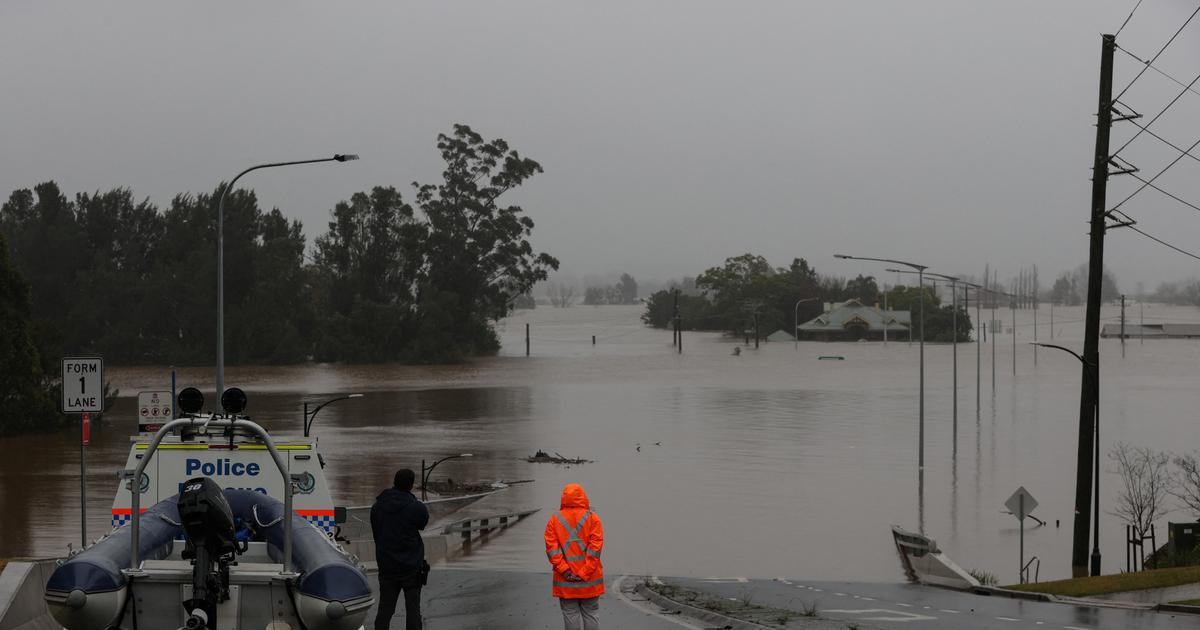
pixel 574 540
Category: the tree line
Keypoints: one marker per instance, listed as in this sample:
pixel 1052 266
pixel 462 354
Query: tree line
pixel 419 279
pixel 727 298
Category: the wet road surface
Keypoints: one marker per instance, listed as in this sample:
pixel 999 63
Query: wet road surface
pixel 464 599
pixel 915 606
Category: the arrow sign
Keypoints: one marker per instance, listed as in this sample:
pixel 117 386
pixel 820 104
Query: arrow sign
pixel 1021 503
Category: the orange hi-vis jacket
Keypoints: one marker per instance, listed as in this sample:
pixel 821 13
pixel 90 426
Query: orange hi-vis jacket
pixel 574 539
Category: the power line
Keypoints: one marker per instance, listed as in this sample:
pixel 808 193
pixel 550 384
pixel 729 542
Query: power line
pixel 1156 69
pixel 1186 89
pixel 1160 52
pixel 1164 243
pixel 1164 141
pixel 1146 184
pixel 1135 8
pixel 1151 185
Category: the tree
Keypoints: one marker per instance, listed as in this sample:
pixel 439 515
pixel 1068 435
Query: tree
pixel 561 295
pixel 628 289
pixel 594 296
pixel 477 256
pixel 24 402
pixel 1145 481
pixel 1185 483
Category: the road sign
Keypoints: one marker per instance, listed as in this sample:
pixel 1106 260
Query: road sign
pixel 1021 503
pixel 154 410
pixel 82 385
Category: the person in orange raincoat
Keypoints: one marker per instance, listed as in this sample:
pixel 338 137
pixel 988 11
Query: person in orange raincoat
pixel 574 539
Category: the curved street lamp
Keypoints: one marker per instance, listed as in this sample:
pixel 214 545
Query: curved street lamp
pixel 1092 374
pixel 309 417
pixel 920 269
pixel 426 472
pixel 221 255
pixel 796 320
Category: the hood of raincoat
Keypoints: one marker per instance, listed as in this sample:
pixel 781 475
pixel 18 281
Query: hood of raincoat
pixel 573 496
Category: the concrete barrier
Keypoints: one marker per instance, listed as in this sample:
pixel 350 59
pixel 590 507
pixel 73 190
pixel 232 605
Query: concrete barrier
pixel 22 587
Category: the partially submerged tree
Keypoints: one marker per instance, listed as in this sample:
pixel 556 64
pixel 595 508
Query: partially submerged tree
pixel 561 295
pixel 1185 483
pixel 1145 481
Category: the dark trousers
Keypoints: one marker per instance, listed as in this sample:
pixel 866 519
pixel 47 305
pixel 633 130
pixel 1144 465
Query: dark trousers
pixel 389 592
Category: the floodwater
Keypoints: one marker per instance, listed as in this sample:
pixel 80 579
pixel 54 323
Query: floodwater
pixel 769 463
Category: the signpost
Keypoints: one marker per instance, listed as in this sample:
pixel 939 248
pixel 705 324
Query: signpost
pixel 154 410
pixel 83 393
pixel 1021 503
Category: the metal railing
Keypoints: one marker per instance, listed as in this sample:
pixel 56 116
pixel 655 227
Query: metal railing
pixel 1037 569
pixel 136 491
pixel 484 525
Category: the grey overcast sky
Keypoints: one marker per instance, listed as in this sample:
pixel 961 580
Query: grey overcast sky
pixel 673 134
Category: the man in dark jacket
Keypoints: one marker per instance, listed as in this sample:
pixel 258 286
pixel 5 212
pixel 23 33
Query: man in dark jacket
pixel 397 519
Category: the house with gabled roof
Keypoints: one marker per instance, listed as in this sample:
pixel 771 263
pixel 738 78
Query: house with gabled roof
pixel 852 320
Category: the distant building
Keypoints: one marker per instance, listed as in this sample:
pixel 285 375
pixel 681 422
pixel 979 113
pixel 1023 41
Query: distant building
pixel 851 321
pixel 1152 331
pixel 780 335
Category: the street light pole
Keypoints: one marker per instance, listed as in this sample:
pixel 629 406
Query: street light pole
pixel 309 417
pixel 426 472
pixel 921 408
pixel 796 320
pixel 1093 374
pixel 221 256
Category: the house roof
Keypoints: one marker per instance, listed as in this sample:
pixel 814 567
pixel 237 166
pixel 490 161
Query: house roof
pixel 1151 330
pixel 780 335
pixel 840 316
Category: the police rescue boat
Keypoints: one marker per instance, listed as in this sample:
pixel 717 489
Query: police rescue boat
pixel 215 525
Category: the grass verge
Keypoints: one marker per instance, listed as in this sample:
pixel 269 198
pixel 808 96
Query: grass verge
pixel 742 608
pixel 1118 583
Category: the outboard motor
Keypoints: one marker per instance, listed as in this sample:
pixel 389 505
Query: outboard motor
pixel 211 545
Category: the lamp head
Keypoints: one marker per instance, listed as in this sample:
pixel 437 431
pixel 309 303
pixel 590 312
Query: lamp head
pixel 345 157
pixel 355 396
pixel 467 455
pixel 842 256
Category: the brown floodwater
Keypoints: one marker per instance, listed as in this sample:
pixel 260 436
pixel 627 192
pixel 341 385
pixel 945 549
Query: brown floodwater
pixel 765 464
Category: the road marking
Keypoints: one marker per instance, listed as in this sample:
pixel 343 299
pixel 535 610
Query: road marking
pixel 1074 628
pixel 646 609
pixel 840 594
pixel 904 605
pixel 867 599
pixel 727 580
pixel 883 614
pixel 1007 619
pixel 946 610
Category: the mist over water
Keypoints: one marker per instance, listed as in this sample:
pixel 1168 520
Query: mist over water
pixel 771 463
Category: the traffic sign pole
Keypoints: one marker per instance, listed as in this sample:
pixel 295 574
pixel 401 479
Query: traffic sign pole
pixel 85 431
pixel 1021 573
pixel 83 393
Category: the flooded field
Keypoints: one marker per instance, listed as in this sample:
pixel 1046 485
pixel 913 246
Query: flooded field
pixel 769 463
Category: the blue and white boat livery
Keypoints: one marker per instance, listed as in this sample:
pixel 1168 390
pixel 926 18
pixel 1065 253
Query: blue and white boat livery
pixel 224 545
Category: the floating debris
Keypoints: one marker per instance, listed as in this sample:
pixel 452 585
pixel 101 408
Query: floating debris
pixel 542 457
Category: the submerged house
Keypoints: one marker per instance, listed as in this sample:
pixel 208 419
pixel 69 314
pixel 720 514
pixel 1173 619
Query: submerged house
pixel 852 320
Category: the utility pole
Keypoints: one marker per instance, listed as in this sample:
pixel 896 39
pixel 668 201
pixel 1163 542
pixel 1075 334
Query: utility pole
pixel 675 333
pixel 1035 347
pixel 1122 326
pixel 1013 302
pixel 1088 390
pixel 756 330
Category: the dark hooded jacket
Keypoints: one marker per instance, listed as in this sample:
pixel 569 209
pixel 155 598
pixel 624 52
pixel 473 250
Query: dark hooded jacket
pixel 397 519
